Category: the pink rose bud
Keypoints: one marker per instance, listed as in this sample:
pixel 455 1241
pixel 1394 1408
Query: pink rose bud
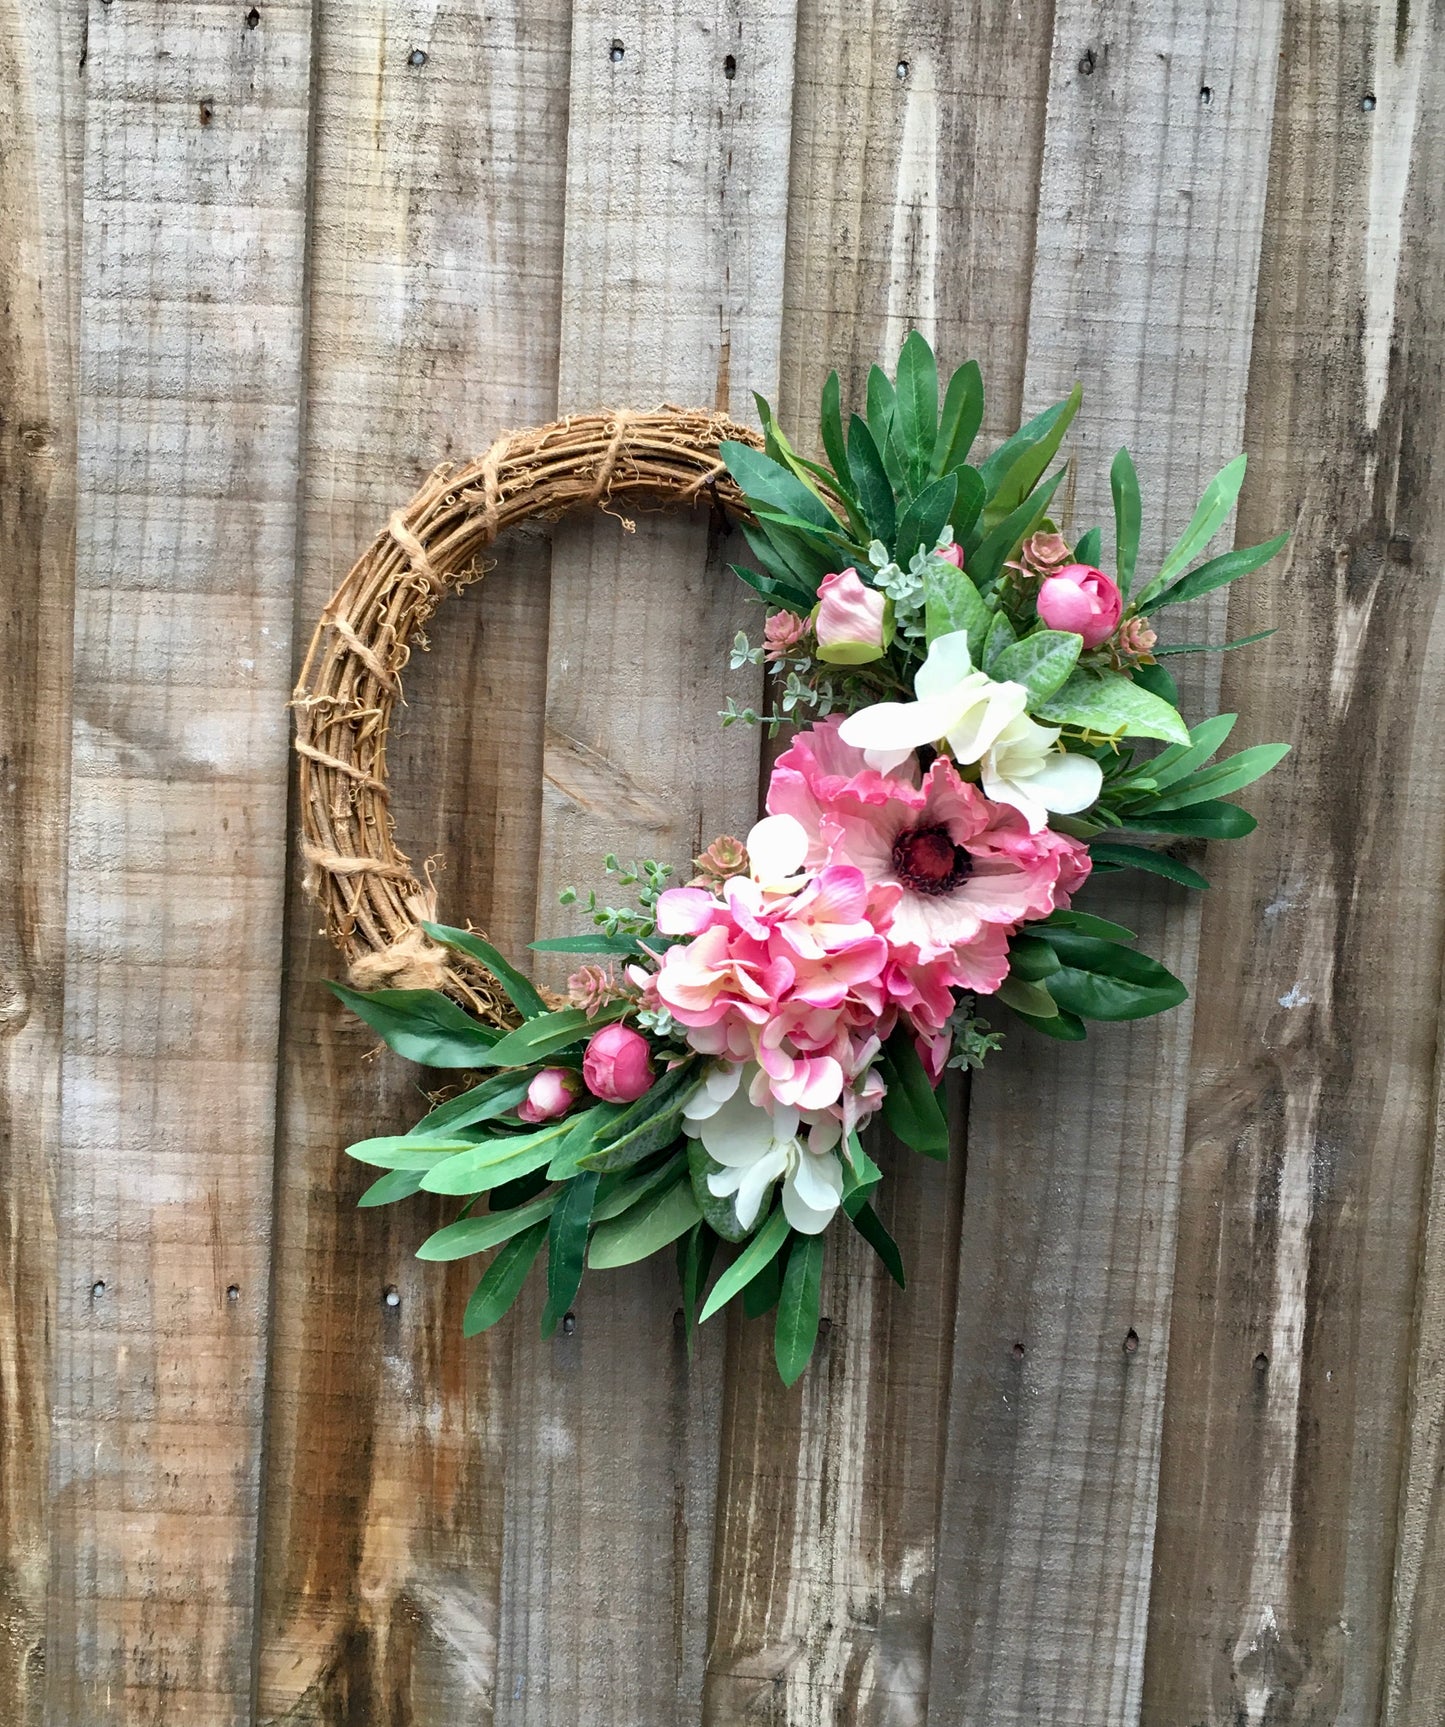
pixel 618 1064
pixel 853 624
pixel 552 1093
pixel 953 553
pixel 783 634
pixel 1083 600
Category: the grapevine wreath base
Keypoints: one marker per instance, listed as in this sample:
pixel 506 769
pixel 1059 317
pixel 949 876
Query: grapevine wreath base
pixel 981 719
pixel 351 679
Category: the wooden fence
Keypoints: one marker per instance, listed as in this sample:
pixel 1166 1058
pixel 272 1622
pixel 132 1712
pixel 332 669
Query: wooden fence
pixel 1157 1433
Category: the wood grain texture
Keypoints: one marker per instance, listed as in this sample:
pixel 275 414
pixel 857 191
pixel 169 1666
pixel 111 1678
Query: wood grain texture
pixel 191 272
pixel 672 278
pixel 40 146
pixel 436 252
pixel 911 169
pixel 1312 1102
pixel 1143 289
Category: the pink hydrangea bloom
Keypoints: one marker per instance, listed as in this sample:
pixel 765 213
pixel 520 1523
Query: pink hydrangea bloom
pixel 966 871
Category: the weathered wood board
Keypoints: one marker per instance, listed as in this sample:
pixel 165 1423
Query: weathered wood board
pixel 1154 1435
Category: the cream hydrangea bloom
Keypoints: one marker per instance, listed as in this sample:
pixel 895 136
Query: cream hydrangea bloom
pixel 1023 768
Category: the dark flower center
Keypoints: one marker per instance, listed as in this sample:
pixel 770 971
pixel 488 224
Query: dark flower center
pixel 927 861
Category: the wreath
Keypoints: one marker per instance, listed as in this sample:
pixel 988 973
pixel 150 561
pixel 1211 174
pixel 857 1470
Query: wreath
pixel 980 720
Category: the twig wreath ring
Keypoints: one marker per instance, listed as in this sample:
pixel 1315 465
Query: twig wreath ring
pixel 350 681
pixel 981 720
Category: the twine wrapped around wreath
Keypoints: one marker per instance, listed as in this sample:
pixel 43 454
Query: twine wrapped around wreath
pixel 351 679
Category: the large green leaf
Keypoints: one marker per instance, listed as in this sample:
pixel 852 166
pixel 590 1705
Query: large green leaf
pixel 536 1039
pixel 1113 706
pixel 471 1235
pixel 1231 775
pixel 1103 980
pixel 796 1329
pixel 519 988
pixel 910 1108
pixel 962 417
pixel 916 413
pixel 1124 483
pixel 502 1281
pixel 502 1158
pixel 925 519
pixel 882 422
pixel 869 1225
pixel 654 1121
pixel 485 1102
pixel 567 1247
pixel 1067 1027
pixel 652 1224
pixel 759 1252
pixel 695 1251
pixel 1152 862
pixel 951 602
pixel 584 1130
pixel 719 1211
pixel 988 557
pixel 1214 507
pixel 407 1151
pixel 394 1185
pixel 421 1024
pixel 1090 549
pixel 1016 467
pixel 1213 820
pixel 1218 571
pixel 830 423
pixel 1042 662
pixel 765 481
pixel 875 490
pixel 620 1192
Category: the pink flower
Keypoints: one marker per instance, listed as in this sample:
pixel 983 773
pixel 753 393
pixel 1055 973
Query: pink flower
pixel 952 553
pixel 617 1064
pixel 591 987
pixel 853 623
pixel 1083 600
pixel 965 871
pixel 552 1092
pixel 782 633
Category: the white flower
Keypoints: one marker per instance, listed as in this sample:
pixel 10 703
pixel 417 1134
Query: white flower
pixel 756 1147
pixel 956 703
pixel 1023 768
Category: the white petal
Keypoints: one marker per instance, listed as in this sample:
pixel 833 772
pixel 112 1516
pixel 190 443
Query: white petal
pixel 719 1083
pixel 777 848
pixel 1066 782
pixel 1018 794
pixel 805 1218
pixel 884 761
pixel 722 1182
pixel 949 663
pixel 738 1133
pixel 987 716
pixel 818 1180
pixel 899 727
pixel 755 1183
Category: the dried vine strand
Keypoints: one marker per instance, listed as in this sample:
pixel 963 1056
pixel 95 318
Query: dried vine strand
pixel 350 681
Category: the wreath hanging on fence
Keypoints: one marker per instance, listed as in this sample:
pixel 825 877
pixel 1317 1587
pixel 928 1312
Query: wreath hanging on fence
pixel 978 713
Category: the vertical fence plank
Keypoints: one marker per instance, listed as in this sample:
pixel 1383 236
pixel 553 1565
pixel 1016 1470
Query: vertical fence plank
pixel 1316 1048
pixel 1143 289
pixel 195 170
pixel 905 122
pixel 437 219
pixel 40 139
pixel 676 198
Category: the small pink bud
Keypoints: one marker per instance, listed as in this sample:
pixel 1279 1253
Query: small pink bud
pixel 782 633
pixel 618 1064
pixel 1136 641
pixel 952 553
pixel 591 987
pixel 552 1093
pixel 1083 600
pixel 1045 553
pixel 853 623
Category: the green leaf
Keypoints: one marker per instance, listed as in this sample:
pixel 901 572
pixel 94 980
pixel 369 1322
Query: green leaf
pixel 594 943
pixel 1216 821
pixel 831 426
pixel 648 1125
pixel 619 1193
pixel 519 989
pixel 1158 682
pixel 1219 571
pixel 1114 706
pixel 1102 980
pixel 421 1024
pixel 794 566
pixel 882 422
pixel 584 1130
pixel 536 1039
pixel 951 602
pixel 567 1248
pixel 969 504
pixel 484 1102
pixel 910 1108
pixel 1152 862
pixel 471 1235
pixel 652 1224
pixel 761 1295
pixel 796 1330
pixel 875 490
pixel 504 1157
pixel 925 519
pixel 695 1251
pixel 502 1281
pixel 765 481
pixel 860 1175
pixel 1000 637
pixel 1030 999
pixel 759 1252
pixel 1124 483
pixel 406 1151
pixel 1030 960
pixel 1085 923
pixel 1181 760
pixel 1042 662
pixel 719 1211
pixel 1090 549
pixel 1014 469
pixel 987 559
pixel 868 1224
pixel 1067 1027
pixel 1209 518
pixel 916 414
pixel 962 417
pixel 1213 647
pixel 1231 775
pixel 395 1184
